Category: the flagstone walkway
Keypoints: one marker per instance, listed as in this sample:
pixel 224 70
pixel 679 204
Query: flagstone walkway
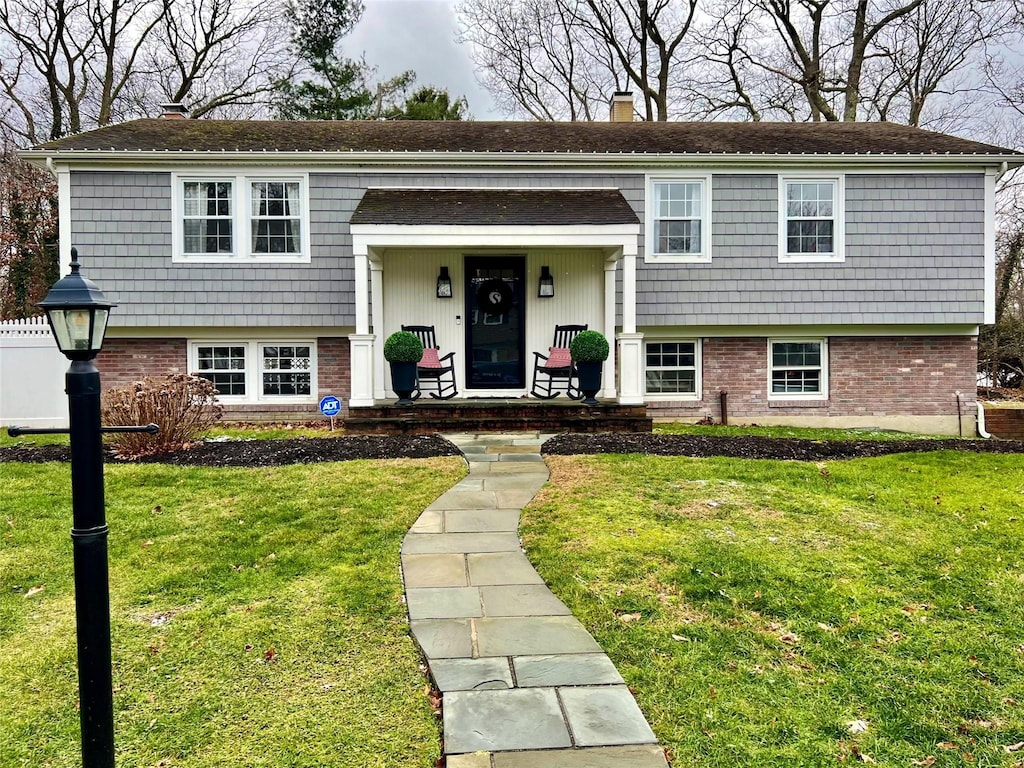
pixel 524 684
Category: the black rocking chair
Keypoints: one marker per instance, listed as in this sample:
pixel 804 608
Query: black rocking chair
pixel 554 372
pixel 433 371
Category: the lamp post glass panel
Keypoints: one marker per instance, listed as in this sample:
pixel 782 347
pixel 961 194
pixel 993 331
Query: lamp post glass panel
pixel 78 312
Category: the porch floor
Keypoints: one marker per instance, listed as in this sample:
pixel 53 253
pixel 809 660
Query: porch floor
pixel 428 416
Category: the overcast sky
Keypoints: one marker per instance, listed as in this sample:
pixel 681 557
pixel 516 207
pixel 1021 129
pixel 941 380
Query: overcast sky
pixel 397 35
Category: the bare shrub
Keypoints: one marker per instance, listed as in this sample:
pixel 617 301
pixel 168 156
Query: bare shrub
pixel 183 406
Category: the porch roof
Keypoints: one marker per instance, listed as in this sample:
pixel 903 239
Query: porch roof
pixel 494 207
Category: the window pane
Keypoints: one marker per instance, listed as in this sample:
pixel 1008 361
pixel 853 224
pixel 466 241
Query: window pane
pixel 679 236
pixel 671 367
pixel 286 370
pixel 224 367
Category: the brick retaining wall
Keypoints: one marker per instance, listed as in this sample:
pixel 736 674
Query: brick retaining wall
pixel 1006 423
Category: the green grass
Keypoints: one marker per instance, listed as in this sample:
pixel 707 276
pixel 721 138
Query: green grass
pixel 808 433
pixel 758 608
pixel 257 616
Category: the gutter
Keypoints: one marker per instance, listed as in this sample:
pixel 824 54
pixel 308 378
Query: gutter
pixel 515 159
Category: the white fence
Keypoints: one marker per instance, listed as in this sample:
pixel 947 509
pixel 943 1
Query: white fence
pixel 31 375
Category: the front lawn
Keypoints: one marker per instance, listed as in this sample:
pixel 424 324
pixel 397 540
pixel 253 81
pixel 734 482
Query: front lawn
pixel 773 613
pixel 257 615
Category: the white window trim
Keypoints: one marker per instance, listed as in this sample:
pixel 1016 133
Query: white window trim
pixel 823 394
pixel 698 359
pixel 650 237
pixel 253 370
pixel 241 202
pixel 838 217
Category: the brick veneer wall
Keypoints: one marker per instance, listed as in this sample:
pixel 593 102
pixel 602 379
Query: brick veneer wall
pixel 868 376
pixel 1006 423
pixel 123 361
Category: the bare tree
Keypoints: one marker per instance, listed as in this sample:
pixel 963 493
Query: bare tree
pixel 48 78
pixel 220 54
pixel 562 59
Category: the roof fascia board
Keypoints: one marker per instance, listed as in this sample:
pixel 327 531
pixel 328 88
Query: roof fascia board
pixel 518 159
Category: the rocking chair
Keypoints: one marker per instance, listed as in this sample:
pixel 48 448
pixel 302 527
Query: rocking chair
pixel 432 370
pixel 554 372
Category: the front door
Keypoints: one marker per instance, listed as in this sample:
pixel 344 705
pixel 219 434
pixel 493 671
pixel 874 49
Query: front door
pixel 495 327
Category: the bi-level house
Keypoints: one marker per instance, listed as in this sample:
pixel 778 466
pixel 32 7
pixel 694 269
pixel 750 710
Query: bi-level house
pixel 817 273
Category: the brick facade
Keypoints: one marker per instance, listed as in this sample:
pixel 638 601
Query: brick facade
pixel 868 377
pixel 123 361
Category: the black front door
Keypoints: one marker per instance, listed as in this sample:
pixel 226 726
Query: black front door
pixel 495 326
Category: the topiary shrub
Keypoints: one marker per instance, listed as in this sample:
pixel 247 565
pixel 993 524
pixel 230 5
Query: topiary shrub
pixel 403 347
pixel 589 347
pixel 183 406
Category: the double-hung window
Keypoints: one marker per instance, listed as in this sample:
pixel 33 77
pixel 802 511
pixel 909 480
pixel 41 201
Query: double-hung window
pixel 673 368
pixel 256 371
pixel 811 220
pixel 241 217
pixel 679 219
pixel 207 217
pixel 798 369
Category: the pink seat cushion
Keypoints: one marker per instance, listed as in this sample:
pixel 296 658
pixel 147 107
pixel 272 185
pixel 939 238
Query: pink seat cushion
pixel 430 359
pixel 559 358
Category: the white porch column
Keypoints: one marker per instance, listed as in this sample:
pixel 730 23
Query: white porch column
pixel 608 374
pixel 377 317
pixel 361 342
pixel 631 389
pixel 360 347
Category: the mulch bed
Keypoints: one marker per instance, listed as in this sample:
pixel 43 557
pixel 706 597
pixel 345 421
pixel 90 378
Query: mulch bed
pixel 307 450
pixel 265 453
pixel 757 447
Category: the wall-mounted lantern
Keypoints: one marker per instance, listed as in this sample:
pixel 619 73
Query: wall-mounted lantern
pixel 444 284
pixel 546 286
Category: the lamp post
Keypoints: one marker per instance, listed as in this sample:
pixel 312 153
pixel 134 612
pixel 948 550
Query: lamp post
pixel 78 311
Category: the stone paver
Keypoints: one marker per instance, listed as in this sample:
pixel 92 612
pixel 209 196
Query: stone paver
pixel 524 684
pixel 521 600
pixel 443 638
pixel 443 603
pixel 646 756
pixel 471 674
pixel 603 716
pixel 481 520
pixel 533 635
pixel 527 718
pixel 439 543
pixel 444 570
pixel 495 568
pixel 566 669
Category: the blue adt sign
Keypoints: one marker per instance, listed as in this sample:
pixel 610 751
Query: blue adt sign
pixel 330 406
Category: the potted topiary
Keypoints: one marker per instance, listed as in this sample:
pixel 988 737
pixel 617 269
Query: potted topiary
pixel 403 350
pixel 589 350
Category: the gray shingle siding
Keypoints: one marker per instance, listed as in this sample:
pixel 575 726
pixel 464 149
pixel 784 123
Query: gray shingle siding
pixel 914 254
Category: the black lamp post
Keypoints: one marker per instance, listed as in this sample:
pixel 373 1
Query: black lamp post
pixel 78 311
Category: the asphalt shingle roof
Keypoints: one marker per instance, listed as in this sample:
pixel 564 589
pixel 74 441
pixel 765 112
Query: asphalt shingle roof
pixel 499 207
pixel 162 134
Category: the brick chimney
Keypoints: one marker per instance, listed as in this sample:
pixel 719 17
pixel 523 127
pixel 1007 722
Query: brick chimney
pixel 174 111
pixel 621 107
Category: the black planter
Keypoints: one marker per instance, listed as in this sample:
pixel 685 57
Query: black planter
pixel 590 381
pixel 403 381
